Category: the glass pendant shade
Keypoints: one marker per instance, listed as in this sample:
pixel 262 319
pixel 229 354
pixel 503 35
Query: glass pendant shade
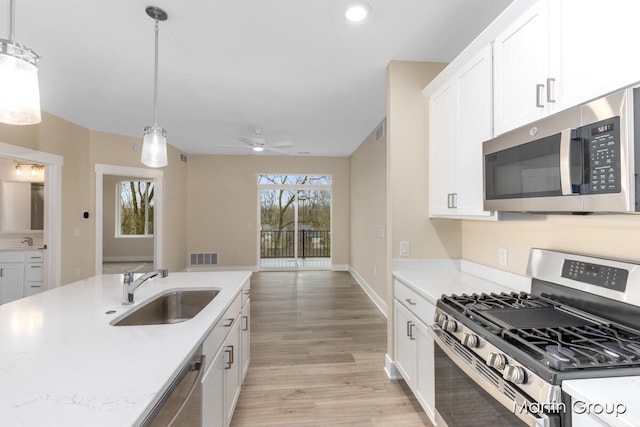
pixel 19 89
pixel 154 147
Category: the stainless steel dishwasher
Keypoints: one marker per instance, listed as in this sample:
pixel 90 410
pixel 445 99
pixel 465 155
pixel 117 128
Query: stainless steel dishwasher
pixel 181 403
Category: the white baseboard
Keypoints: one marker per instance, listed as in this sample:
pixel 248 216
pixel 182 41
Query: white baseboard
pixel 382 306
pixel 339 267
pixel 222 268
pixel 128 258
pixel 390 368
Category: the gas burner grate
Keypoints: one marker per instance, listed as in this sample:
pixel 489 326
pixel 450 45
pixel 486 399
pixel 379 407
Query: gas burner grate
pixel 579 347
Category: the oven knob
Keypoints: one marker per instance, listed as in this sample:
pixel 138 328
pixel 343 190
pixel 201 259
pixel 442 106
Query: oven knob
pixel 450 325
pixel 497 361
pixel 440 318
pixel 515 374
pixel 470 340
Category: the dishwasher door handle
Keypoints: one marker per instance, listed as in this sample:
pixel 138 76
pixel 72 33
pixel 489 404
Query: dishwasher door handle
pixel 195 365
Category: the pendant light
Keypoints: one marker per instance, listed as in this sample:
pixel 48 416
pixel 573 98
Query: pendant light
pixel 19 91
pixel 154 145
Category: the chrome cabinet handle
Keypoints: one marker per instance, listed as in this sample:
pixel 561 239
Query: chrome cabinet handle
pixel 410 301
pixel 410 326
pixel 229 351
pixel 2 272
pixel 550 98
pixel 539 88
pixel 246 323
pixel 229 323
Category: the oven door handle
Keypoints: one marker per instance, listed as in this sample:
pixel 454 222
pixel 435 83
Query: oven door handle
pixel 565 162
pixel 530 419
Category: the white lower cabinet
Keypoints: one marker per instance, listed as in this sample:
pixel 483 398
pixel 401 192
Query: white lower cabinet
pixel 11 281
pixel 413 345
pixel 226 349
pixel 20 274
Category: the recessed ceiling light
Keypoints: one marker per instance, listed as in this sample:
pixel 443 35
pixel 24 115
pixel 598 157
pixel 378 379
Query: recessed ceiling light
pixel 356 11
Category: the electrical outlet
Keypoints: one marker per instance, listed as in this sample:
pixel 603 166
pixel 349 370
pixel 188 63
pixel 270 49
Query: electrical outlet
pixel 405 248
pixel 503 256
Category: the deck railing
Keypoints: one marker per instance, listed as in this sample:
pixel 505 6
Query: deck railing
pixel 280 244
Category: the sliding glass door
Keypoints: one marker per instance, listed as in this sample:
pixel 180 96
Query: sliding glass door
pixel 295 222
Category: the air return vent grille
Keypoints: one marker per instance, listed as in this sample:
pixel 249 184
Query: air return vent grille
pixel 208 258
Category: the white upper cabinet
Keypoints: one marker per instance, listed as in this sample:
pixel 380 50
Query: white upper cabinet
pixel 525 74
pixel 459 121
pixel 598 46
pixel 559 54
pixel 442 151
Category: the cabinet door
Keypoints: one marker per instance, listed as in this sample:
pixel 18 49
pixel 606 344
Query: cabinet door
pixel 11 282
pixel 441 151
pixel 405 344
pixel 425 387
pixel 473 127
pixel 245 344
pixel 598 44
pixel 521 64
pixel 213 388
pixel 232 370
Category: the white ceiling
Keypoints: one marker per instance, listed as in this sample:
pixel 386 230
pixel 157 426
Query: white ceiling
pixel 295 68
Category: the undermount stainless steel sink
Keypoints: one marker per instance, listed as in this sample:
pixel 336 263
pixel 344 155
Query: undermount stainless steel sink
pixel 170 307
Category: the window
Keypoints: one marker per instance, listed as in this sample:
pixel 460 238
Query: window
pixel 135 208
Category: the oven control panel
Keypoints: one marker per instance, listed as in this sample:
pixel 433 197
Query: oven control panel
pixel 596 274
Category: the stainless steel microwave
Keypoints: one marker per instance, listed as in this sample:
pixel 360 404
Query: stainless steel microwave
pixel 579 160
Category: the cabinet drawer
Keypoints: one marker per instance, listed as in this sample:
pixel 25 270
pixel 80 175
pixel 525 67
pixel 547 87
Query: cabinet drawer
pixel 246 292
pixel 34 256
pixel 417 304
pixel 12 256
pixel 217 335
pixel 34 272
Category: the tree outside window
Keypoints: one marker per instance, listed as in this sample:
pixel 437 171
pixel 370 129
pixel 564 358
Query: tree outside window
pixel 136 206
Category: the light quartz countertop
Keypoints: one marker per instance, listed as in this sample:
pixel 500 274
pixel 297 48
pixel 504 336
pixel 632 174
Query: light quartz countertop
pixel 612 401
pixel 433 278
pixel 63 364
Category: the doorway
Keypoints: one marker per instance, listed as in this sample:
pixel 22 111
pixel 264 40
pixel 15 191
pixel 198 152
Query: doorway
pixel 129 174
pixel 51 198
pixel 295 222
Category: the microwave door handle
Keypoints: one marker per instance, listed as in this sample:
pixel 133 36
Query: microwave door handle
pixel 565 162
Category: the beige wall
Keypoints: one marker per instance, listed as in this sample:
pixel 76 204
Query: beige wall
pixel 120 248
pixel 81 150
pixel 222 200
pixel 407 175
pixel 368 213
pixel 614 236
pixel 407 157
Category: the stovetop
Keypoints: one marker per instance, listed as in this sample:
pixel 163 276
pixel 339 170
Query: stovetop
pixel 553 334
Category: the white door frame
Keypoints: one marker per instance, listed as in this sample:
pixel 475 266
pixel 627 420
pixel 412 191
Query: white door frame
pixel 158 181
pixel 52 206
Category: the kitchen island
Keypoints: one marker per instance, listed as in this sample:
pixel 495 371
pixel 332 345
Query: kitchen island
pixel 63 364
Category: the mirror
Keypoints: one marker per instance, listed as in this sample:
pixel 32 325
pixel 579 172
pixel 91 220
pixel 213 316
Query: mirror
pixel 21 196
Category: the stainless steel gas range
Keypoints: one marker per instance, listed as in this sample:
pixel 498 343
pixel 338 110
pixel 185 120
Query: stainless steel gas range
pixel 501 358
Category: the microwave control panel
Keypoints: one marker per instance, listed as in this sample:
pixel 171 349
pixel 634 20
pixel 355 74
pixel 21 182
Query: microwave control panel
pixel 603 151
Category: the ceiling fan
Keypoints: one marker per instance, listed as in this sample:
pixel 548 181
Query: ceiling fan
pixel 258 143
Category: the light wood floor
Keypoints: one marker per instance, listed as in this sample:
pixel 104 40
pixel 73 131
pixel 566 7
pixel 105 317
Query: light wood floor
pixel 317 357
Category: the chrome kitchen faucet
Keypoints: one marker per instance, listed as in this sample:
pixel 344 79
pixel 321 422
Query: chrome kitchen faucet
pixel 131 285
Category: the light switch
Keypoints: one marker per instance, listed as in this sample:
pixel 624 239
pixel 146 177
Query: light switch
pixel 405 248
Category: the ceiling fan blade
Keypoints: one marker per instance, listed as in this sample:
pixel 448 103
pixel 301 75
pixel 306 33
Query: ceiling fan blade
pixel 246 140
pixel 282 144
pixel 285 150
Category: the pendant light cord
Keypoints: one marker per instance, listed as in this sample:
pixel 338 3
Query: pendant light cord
pixel 12 19
pixel 155 84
